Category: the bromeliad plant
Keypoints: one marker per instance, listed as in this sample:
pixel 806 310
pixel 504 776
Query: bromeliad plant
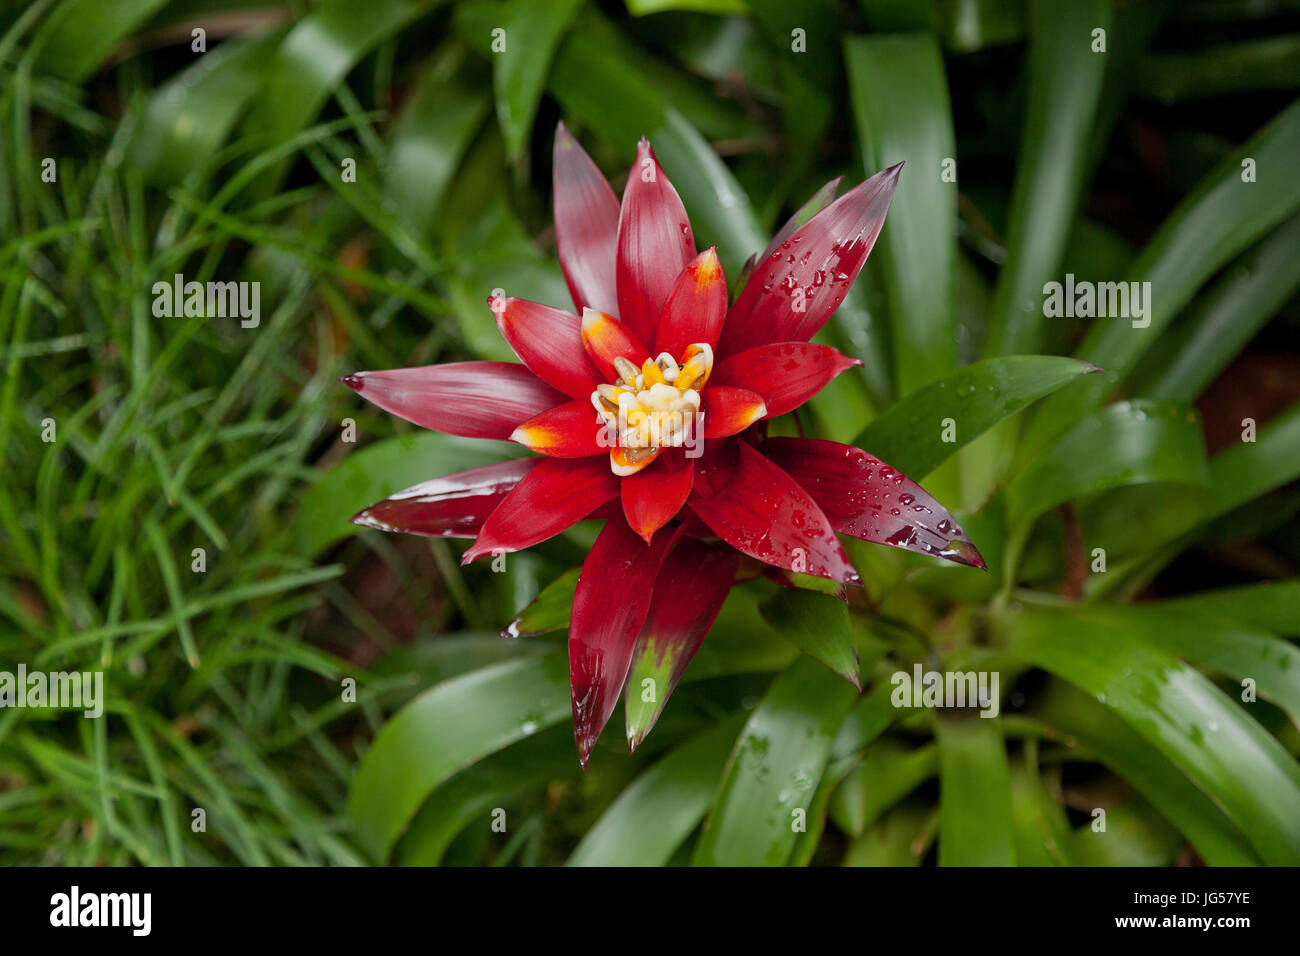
pixel 651 412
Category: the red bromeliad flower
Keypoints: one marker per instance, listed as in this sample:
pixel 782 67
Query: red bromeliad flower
pixel 643 404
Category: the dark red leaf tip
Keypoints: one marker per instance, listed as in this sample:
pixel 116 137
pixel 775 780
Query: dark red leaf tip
pixel 353 381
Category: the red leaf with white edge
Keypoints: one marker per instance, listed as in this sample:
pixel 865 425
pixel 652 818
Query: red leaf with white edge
pixel 586 225
pixel 653 496
pixel 549 342
pixel 786 374
pixel 798 286
pixel 864 497
pixel 609 607
pixel 696 307
pixel 757 508
pixel 453 506
pixel 557 493
pixel 473 399
pixel 693 582
pixel 654 243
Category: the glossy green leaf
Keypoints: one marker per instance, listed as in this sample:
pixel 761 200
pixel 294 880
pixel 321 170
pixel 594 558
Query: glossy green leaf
pixel 446 729
pixel 376 471
pixel 818 624
pixel 1224 319
pixel 549 611
pixel 532 31
pixel 187 119
pixel 1042 830
pixel 428 142
pixel 1201 638
pixel 774 769
pixel 887 774
pixel 974 794
pixel 469 798
pixel 1064 80
pixel 317 53
pixel 1126 443
pixel 900 106
pixel 1271 606
pixel 79 35
pixel 655 814
pixel 1244 769
pixel 1081 720
pixel 909 435
pixel 1224 216
pixel 641 8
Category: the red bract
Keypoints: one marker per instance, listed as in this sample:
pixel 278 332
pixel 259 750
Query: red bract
pixel 649 393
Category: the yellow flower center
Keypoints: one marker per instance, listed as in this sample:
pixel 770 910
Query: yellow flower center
pixel 652 407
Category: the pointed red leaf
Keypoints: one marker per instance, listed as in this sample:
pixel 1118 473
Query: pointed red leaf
pixel 728 410
pixel 609 607
pixel 556 494
pixel 549 342
pixel 654 243
pixel 696 307
pixel 606 338
pixel 796 288
pixel 474 399
pixel 586 225
pixel 864 497
pixel 692 584
pixel 453 506
pixel 571 430
pixel 786 374
pixel 757 508
pixel 653 496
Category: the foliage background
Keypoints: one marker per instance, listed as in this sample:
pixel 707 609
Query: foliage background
pixel 176 434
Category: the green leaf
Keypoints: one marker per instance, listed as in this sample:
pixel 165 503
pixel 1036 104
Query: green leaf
pixel 446 729
pixel 909 434
pixel 655 814
pixel 1267 64
pixel 532 31
pixel 1224 319
pixel 1082 720
pixel 887 774
pixel 1124 444
pixel 1135 835
pixel 1042 830
pixel 81 34
pixel 974 794
pixel 817 624
pixel 774 769
pixel 187 119
pixel 549 611
pixel 317 53
pixel 1202 639
pixel 641 8
pixel 1222 217
pixel 901 839
pixel 1064 80
pixel 476 791
pixel 1270 606
pixel 900 105
pixel 428 142
pixel 1244 769
pixel 379 470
